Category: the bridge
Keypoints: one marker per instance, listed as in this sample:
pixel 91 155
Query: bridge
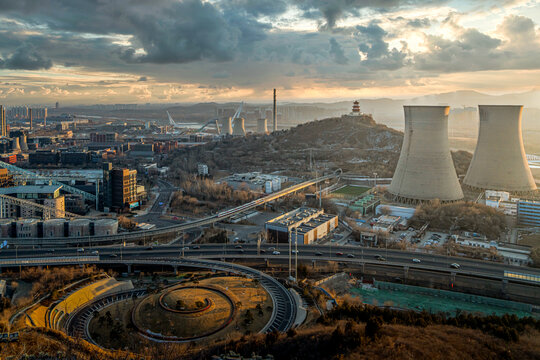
pixel 175 230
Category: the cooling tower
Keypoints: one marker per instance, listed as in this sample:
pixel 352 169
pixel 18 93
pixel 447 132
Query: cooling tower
pixel 22 142
pixel 425 170
pixel 261 126
pixel 499 161
pixel 15 144
pixel 226 126
pixel 238 127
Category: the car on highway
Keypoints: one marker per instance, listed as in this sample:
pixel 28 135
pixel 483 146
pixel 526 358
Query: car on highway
pixel 113 255
pixel 380 258
pixel 416 260
pixel 95 252
pixel 150 248
pixel 295 251
pixel 350 255
pixel 318 253
pixel 80 250
pixel 275 252
pixel 263 251
pixel 241 251
pixel 272 248
pixel 196 247
pixel 339 253
pixel 455 266
pixel 238 247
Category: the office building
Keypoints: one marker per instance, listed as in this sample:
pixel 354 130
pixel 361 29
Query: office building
pixel 119 188
pixel 528 212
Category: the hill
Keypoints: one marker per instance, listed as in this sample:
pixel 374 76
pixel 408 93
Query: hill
pixel 354 144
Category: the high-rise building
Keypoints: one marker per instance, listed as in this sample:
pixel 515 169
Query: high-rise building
pixel 57 105
pixel 30 117
pixel 119 188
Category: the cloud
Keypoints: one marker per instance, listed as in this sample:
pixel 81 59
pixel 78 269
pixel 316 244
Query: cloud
pixel 142 92
pixel 376 51
pixel 337 52
pixel 221 75
pixel 332 11
pixel 519 30
pixel 26 57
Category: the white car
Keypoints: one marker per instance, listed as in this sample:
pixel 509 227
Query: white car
pixel 295 251
pixel 275 252
pixel 455 266
pixel 80 250
pixel 416 261
pixel 95 252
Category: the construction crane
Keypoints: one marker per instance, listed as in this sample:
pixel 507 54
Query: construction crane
pixel 31 175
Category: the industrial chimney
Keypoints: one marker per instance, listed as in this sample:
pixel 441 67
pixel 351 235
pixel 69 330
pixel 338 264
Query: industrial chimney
pixel 238 127
pixel 274 112
pixel 30 117
pixel 425 170
pixel 261 126
pixel 499 161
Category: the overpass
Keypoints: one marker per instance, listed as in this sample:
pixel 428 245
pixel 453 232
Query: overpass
pixel 175 230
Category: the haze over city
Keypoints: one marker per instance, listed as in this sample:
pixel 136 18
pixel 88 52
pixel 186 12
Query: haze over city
pixel 269 179
pixel 195 51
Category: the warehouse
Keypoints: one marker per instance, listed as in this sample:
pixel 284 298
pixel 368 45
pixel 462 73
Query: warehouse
pixel 307 225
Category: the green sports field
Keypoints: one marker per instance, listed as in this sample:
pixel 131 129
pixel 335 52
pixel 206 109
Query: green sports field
pixel 350 190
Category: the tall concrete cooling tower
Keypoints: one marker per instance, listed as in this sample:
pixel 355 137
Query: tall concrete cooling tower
pixel 499 161
pixel 425 170
pixel 226 126
pixel 238 127
pixel 261 126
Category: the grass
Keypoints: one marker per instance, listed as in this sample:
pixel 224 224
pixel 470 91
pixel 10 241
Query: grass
pixel 351 190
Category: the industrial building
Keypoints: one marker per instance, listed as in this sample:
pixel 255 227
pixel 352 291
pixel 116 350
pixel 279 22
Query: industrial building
pixel 6 179
pixel 366 204
pixel 46 195
pixel 425 170
pixel 57 228
pixel 528 212
pixel 255 181
pixel 304 225
pixel 499 160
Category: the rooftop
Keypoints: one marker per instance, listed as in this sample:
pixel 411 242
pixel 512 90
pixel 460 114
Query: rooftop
pixel 30 189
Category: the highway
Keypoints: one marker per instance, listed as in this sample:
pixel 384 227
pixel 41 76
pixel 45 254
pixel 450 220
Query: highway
pixel 175 230
pixel 350 254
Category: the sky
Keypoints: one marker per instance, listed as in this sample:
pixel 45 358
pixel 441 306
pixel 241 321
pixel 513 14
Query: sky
pixel 168 51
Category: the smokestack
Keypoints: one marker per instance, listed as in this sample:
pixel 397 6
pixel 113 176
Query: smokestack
pixel 3 122
pixel 30 117
pixel 499 161
pixel 274 114
pixel 425 170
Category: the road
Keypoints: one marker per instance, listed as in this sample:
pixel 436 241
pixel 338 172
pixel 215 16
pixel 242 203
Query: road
pixel 153 216
pixel 306 252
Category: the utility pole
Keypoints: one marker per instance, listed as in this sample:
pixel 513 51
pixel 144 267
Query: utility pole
pixel 290 251
pixel 296 256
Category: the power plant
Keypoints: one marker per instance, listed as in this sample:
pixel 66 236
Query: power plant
pixel 226 126
pixel 499 161
pixel 425 170
pixel 238 127
pixel 261 126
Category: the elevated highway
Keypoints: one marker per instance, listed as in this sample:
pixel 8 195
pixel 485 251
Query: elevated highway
pixel 175 230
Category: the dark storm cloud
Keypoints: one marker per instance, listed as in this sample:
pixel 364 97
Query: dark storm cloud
pixel 332 11
pixel 257 7
pixel 337 52
pixel 168 31
pixel 25 57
